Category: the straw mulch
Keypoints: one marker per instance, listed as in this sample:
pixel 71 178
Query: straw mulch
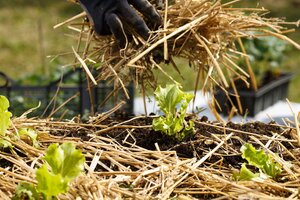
pixel 123 170
pixel 206 33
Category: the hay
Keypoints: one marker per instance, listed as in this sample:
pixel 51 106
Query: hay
pixel 203 32
pixel 127 171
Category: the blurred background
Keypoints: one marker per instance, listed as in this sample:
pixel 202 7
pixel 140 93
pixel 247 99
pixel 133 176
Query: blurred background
pixel 30 47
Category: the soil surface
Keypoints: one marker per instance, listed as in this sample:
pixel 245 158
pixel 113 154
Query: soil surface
pixel 204 140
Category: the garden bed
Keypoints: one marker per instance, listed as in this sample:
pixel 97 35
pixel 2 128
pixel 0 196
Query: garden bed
pixel 126 159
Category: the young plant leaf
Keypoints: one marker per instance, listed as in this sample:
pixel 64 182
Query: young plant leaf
pixel 173 123
pixel 26 191
pixel 73 163
pixel 4 103
pixel 170 96
pixel 49 183
pixel 5 142
pixel 261 160
pixel 5 115
pixel 65 160
pixel 65 164
pixel 244 174
pixel 29 133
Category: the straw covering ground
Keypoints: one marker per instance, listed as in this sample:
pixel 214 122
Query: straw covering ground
pixel 119 169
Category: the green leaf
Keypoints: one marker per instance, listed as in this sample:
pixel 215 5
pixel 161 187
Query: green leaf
pixel 29 132
pixel 168 98
pixel 5 115
pixel 5 142
pixel 65 164
pixel 26 191
pixel 4 103
pixel 244 174
pixel 65 160
pixel 261 160
pixel 49 183
pixel 189 130
pixel 159 124
pixel 54 157
pixel 73 163
pixel 173 123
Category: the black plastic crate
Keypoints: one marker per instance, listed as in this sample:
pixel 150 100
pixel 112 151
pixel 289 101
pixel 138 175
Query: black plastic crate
pixel 23 98
pixel 255 101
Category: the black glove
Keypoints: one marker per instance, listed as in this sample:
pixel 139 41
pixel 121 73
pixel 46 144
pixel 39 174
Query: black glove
pixel 109 17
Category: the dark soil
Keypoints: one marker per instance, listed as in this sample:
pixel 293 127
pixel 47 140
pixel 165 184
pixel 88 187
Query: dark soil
pixel 201 143
pixel 3 162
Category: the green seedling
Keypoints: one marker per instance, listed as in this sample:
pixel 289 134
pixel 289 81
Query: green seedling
pixel 63 164
pixel 259 159
pixel 173 122
pixel 244 174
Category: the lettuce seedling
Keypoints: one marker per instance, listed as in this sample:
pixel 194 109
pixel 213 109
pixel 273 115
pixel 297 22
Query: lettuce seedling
pixel 257 158
pixel 63 164
pixel 244 174
pixel 173 123
pixel 261 160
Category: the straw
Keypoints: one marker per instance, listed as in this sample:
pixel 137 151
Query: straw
pixel 116 169
pixel 204 33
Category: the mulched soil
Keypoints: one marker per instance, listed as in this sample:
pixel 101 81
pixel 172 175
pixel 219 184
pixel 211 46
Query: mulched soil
pixel 216 147
pixel 204 140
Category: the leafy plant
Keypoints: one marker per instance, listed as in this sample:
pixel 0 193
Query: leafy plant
pixel 259 159
pixel 63 164
pixel 5 122
pixel 266 49
pixel 173 123
pixel 266 55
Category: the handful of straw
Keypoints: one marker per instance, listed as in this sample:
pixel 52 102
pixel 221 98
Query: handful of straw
pixel 204 32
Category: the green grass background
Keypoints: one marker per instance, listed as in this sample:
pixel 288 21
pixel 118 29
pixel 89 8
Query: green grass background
pixel 28 42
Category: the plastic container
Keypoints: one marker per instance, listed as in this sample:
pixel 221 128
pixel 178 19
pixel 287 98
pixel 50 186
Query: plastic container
pixel 255 101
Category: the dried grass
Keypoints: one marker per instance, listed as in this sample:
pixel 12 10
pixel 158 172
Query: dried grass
pixel 127 171
pixel 203 32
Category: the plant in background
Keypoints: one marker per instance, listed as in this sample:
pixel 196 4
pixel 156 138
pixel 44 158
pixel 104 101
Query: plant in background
pixel 266 55
pixel 63 164
pixel 259 159
pixel 173 123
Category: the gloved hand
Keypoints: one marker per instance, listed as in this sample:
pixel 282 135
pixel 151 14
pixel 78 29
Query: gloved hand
pixel 109 17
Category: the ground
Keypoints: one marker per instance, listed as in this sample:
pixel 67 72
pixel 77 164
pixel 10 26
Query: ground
pixel 140 163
